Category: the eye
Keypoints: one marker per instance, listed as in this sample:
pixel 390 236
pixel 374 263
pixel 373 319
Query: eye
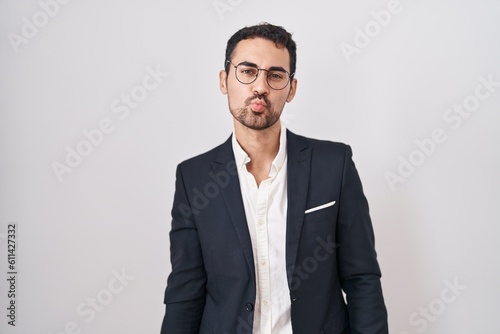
pixel 248 71
pixel 276 76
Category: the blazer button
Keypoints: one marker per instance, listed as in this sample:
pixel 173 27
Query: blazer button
pixel 249 307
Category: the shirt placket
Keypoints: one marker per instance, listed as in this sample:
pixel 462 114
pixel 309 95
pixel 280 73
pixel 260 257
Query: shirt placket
pixel 262 205
pixel 260 200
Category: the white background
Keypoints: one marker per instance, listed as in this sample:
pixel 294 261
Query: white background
pixel 112 211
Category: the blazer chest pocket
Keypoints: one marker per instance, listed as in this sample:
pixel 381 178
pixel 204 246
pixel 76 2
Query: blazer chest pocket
pixel 320 211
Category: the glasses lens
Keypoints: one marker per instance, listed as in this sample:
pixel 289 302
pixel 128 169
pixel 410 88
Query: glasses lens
pixel 276 79
pixel 246 74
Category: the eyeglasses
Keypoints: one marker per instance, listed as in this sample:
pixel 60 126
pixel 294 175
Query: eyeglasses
pixel 277 78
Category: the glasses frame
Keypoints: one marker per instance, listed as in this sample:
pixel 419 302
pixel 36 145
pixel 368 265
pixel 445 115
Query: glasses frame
pixel 290 76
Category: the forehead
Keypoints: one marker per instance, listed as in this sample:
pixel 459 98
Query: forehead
pixel 262 52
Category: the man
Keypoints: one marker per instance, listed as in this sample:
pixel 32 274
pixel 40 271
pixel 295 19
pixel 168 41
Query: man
pixel 270 227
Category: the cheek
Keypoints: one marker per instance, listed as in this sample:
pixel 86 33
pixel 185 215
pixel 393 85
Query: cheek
pixel 237 94
pixel 281 100
pixel 235 98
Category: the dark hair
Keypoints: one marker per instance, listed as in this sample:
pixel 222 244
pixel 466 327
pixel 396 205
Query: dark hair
pixel 276 34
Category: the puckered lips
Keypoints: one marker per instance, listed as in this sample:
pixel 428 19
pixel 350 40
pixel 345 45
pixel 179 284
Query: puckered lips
pixel 258 105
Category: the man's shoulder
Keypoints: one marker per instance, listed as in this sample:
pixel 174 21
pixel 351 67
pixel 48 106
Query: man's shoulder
pixel 318 145
pixel 321 147
pixel 204 159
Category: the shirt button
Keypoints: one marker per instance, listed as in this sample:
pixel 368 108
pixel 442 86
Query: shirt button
pixel 249 307
pixel 265 302
pixel 261 222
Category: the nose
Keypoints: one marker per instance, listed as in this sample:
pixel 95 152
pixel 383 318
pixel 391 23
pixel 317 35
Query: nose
pixel 260 85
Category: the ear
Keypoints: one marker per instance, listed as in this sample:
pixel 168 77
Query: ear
pixel 293 90
pixel 223 82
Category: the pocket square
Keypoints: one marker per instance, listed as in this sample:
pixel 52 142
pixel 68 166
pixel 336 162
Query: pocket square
pixel 320 207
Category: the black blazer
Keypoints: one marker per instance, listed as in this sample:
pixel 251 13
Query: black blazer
pixel 211 288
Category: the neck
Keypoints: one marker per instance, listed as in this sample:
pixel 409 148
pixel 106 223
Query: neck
pixel 261 145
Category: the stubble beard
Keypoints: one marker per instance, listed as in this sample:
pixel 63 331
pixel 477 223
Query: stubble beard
pixel 256 120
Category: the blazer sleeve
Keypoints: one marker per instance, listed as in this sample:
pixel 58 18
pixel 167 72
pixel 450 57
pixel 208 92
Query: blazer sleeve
pixel 358 267
pixel 185 292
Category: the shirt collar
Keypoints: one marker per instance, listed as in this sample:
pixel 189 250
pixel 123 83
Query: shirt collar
pixel 242 157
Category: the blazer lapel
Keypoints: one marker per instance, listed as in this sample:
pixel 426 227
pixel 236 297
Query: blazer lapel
pixel 225 163
pixel 298 173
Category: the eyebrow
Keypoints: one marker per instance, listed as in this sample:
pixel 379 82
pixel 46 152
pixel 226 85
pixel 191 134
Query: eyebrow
pixel 272 68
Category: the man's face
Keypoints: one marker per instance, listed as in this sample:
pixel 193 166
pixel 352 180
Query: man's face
pixel 256 105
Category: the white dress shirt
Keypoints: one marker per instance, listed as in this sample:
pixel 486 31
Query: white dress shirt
pixel 265 209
